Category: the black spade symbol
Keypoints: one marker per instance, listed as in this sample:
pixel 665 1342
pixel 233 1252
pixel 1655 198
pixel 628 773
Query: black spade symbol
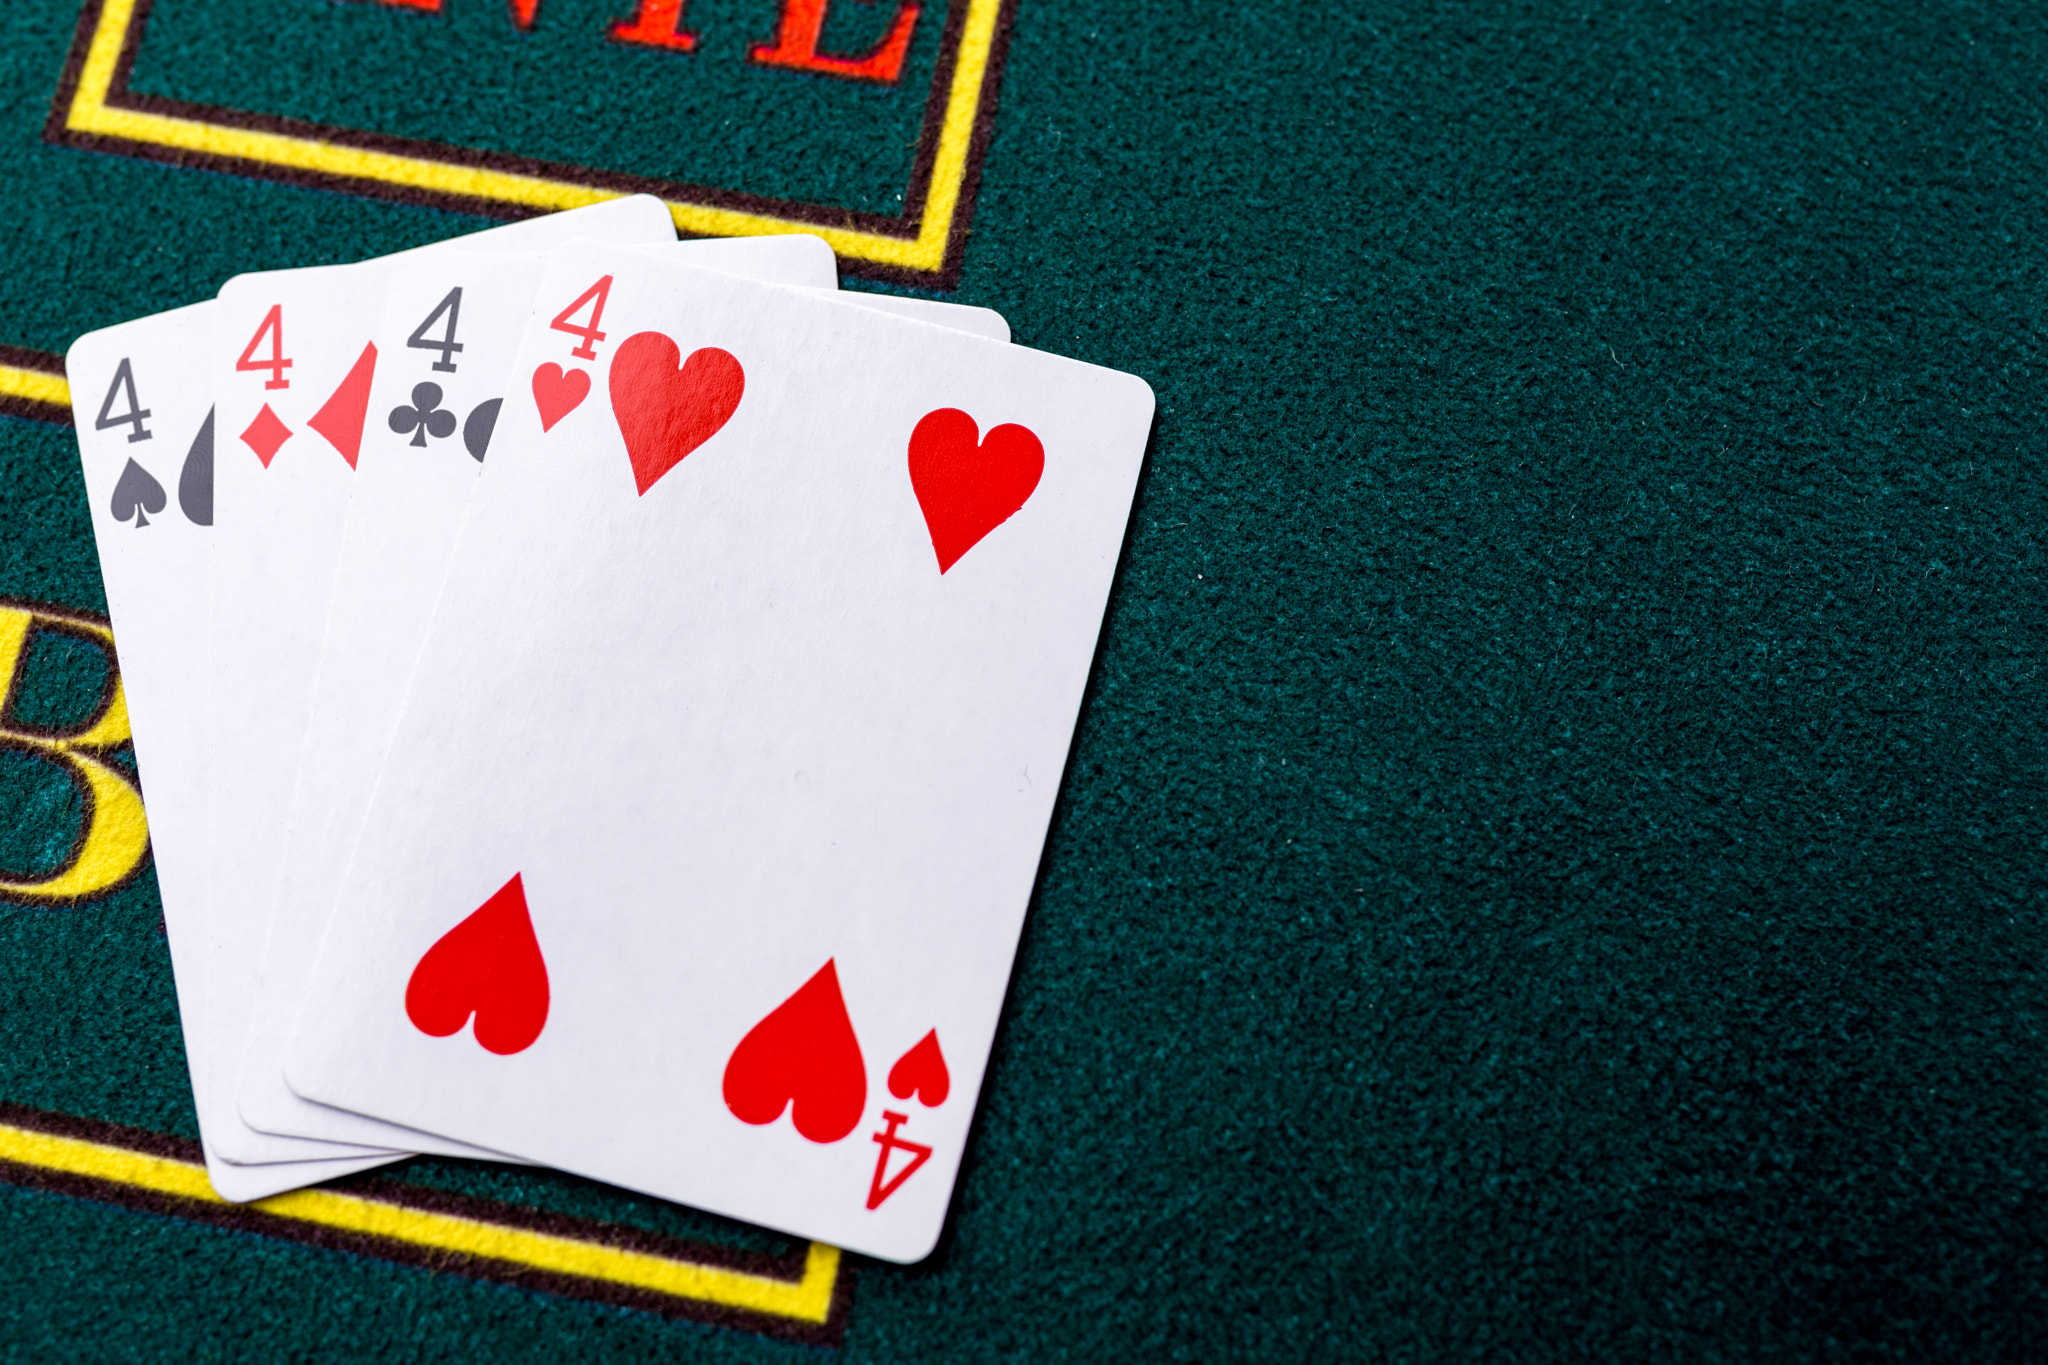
pixel 425 417
pixel 195 480
pixel 135 493
pixel 476 432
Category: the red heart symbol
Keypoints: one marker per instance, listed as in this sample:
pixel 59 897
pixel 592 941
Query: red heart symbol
pixel 490 966
pixel 803 1056
pixel 664 412
pixel 968 486
pixel 922 1072
pixel 556 394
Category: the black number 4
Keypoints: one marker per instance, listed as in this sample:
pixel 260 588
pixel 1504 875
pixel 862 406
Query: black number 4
pixel 124 381
pixel 447 345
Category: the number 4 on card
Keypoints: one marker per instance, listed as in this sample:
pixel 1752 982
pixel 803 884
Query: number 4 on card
pixel 447 345
pixel 273 324
pixel 595 296
pixel 124 380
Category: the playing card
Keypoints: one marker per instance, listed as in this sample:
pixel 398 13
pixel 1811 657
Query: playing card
pixel 144 414
pixel 292 369
pixel 961 317
pixel 698 859
pixel 447 340
pixel 239 1184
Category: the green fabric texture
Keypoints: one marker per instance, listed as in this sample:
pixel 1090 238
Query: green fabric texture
pixel 1553 863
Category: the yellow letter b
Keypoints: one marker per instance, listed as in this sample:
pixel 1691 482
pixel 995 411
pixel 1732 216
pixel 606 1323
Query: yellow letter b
pixel 113 836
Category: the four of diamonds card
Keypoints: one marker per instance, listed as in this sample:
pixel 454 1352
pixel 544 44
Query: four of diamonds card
pixel 600 700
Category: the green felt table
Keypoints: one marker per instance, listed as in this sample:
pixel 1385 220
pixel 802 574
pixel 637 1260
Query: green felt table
pixel 1553 862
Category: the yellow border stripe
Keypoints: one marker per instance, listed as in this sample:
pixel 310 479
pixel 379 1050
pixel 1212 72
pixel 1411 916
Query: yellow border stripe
pixel 35 386
pixel 807 1300
pixel 90 114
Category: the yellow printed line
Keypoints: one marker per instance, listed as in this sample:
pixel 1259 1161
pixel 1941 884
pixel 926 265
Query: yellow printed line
pixel 90 114
pixel 35 386
pixel 807 1300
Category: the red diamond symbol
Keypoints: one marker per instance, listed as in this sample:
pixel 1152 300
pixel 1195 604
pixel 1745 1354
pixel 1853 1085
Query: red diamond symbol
pixel 265 435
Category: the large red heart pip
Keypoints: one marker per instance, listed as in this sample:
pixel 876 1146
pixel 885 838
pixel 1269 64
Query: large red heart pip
pixel 556 394
pixel 968 485
pixel 665 412
pixel 804 1057
pixel 490 966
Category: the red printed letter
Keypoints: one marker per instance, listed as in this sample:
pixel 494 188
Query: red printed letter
pixel 658 24
pixel 803 23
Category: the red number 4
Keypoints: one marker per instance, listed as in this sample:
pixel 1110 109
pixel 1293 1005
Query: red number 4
pixel 595 296
pixel 273 323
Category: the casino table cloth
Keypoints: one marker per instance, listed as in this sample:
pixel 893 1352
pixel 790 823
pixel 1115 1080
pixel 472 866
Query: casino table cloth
pixel 1552 864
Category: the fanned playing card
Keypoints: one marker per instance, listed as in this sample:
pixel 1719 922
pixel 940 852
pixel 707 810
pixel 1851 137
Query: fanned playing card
pixel 699 857
pixel 293 366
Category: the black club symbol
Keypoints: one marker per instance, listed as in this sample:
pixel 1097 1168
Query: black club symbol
pixel 426 417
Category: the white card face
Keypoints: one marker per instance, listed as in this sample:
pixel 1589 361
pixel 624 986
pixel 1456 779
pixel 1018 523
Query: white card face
pixel 982 322
pixel 421 453
pixel 797 258
pixel 698 860
pixel 292 370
